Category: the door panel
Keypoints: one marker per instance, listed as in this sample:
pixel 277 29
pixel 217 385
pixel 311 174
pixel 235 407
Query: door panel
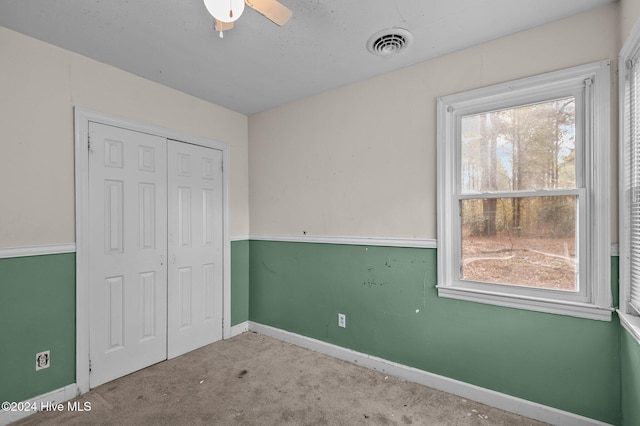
pixel 127 251
pixel 195 247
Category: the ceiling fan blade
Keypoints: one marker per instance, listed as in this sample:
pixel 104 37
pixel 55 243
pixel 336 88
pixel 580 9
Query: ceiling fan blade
pixel 272 9
pixel 223 26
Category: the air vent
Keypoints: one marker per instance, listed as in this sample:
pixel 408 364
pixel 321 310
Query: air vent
pixel 388 42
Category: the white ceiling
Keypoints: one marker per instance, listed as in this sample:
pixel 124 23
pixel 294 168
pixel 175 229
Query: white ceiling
pixel 259 65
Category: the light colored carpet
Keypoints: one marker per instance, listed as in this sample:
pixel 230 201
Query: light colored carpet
pixel 256 380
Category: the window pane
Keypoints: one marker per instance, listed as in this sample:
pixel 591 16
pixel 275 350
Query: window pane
pixel 528 241
pixel 634 219
pixel 524 148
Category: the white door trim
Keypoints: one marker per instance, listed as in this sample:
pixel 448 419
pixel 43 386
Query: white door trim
pixel 82 117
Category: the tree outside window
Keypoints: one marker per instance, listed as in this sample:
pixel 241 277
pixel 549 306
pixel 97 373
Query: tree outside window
pixel 520 240
pixel 523 193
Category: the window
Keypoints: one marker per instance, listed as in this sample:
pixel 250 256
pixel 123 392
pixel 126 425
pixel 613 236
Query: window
pixel 523 184
pixel 629 66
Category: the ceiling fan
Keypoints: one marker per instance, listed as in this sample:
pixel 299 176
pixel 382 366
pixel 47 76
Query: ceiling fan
pixel 225 12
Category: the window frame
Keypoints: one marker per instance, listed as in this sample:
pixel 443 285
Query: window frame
pixel 629 318
pixel 588 84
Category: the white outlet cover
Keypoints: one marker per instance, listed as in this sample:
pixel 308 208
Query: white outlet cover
pixel 43 360
pixel 342 320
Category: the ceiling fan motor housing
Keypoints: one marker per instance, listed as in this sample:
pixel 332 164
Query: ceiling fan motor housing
pixel 225 10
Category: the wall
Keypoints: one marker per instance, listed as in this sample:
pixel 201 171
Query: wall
pixel 629 14
pixel 360 161
pixel 393 312
pixel 46 324
pixel 40 85
pixel 630 359
pixel 240 282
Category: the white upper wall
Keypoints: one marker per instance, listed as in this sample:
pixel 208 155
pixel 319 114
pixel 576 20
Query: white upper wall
pixel 629 14
pixel 39 86
pixel 360 160
pixel 356 161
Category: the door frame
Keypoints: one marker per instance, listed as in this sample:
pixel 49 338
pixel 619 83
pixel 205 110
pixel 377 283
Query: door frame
pixel 82 117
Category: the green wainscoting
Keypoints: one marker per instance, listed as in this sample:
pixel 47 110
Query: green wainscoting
pixel 630 355
pixel 393 312
pixel 37 313
pixel 239 282
pixel 389 297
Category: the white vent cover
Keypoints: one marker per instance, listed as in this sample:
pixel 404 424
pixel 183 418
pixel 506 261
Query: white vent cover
pixel 387 42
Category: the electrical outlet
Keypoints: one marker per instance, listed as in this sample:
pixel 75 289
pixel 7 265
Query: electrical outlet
pixel 43 360
pixel 342 320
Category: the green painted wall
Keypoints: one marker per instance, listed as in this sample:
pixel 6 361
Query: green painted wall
pixel 393 312
pixel 37 313
pixel 239 282
pixel 630 355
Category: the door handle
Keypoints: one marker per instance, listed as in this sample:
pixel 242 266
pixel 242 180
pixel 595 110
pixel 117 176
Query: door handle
pixel 162 259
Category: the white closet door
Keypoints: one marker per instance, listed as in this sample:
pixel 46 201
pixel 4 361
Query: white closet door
pixel 127 251
pixel 195 247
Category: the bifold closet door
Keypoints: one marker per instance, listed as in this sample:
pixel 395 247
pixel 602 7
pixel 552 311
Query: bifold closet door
pixel 195 194
pixel 127 251
pixel 155 250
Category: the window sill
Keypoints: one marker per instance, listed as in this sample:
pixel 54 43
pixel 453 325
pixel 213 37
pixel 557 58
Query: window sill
pixel 630 323
pixel 579 310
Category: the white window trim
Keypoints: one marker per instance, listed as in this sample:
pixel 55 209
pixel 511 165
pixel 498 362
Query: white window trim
pixel 630 50
pixel 596 303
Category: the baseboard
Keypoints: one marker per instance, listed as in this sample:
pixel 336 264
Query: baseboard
pixel 486 396
pixel 239 329
pixel 54 397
